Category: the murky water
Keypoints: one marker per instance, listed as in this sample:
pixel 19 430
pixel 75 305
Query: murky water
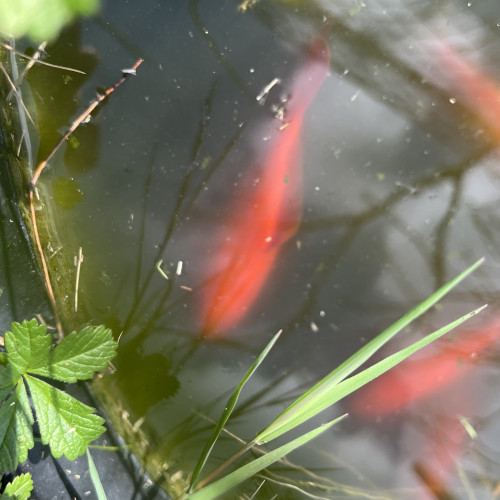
pixel 400 192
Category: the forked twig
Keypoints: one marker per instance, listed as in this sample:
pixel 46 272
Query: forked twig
pixel 13 89
pixel 37 60
pixel 82 118
pixel 31 63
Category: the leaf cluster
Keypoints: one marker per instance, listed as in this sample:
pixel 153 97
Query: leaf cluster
pixel 66 424
pixel 19 489
pixel 41 20
pixel 336 385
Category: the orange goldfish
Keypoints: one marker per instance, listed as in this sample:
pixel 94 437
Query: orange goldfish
pixel 443 442
pixel 431 383
pixel 267 213
pixel 472 88
pixel 413 380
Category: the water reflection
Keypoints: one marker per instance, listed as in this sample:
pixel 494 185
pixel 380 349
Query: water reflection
pixel 400 193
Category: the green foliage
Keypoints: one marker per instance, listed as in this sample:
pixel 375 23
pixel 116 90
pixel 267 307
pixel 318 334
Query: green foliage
pixel 19 489
pixel 336 385
pixel 79 355
pixel 96 480
pixel 218 488
pixel 228 409
pixel 66 424
pixel 41 20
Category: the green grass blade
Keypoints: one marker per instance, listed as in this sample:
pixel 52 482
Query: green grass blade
pixel 228 409
pixel 329 393
pixel 363 354
pixel 235 478
pixel 94 476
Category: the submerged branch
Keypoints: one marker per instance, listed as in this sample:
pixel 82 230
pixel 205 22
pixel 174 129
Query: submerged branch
pixel 36 175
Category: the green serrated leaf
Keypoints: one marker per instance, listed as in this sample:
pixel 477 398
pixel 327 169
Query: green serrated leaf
pixel 16 434
pixel 25 415
pixel 6 382
pixel 41 20
pixel 28 346
pixel 8 445
pixel 66 424
pixel 80 355
pixel 19 489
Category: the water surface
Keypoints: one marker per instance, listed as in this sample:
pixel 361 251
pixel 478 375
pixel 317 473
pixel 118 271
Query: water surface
pixel 400 193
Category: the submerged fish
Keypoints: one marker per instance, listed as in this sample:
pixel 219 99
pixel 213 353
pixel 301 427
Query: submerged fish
pixel 431 386
pixel 413 380
pixel 267 213
pixel 471 87
pixel 439 449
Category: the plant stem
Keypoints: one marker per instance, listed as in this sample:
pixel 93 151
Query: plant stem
pixel 221 467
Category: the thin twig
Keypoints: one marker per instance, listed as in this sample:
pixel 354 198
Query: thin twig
pixel 82 118
pixel 222 467
pixel 48 284
pixel 20 145
pixel 78 263
pixel 31 63
pixel 23 123
pixel 160 270
pixel 13 87
pixel 39 61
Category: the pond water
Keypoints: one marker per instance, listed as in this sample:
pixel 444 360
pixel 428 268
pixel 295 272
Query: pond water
pixel 396 190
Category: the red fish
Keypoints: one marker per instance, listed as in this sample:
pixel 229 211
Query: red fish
pixel 442 444
pixel 472 88
pixel 431 385
pixel 413 380
pixel 267 213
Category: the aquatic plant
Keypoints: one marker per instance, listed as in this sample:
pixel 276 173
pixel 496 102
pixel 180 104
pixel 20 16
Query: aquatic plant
pixel 336 385
pixel 41 21
pixel 328 391
pixel 19 489
pixel 68 426
pixel 65 424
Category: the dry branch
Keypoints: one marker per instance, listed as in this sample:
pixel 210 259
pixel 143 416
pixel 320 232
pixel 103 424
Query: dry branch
pixel 81 119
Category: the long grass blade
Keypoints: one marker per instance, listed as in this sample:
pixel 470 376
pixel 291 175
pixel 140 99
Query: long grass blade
pixel 328 394
pixel 96 480
pixel 228 409
pixel 236 477
pixel 363 354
